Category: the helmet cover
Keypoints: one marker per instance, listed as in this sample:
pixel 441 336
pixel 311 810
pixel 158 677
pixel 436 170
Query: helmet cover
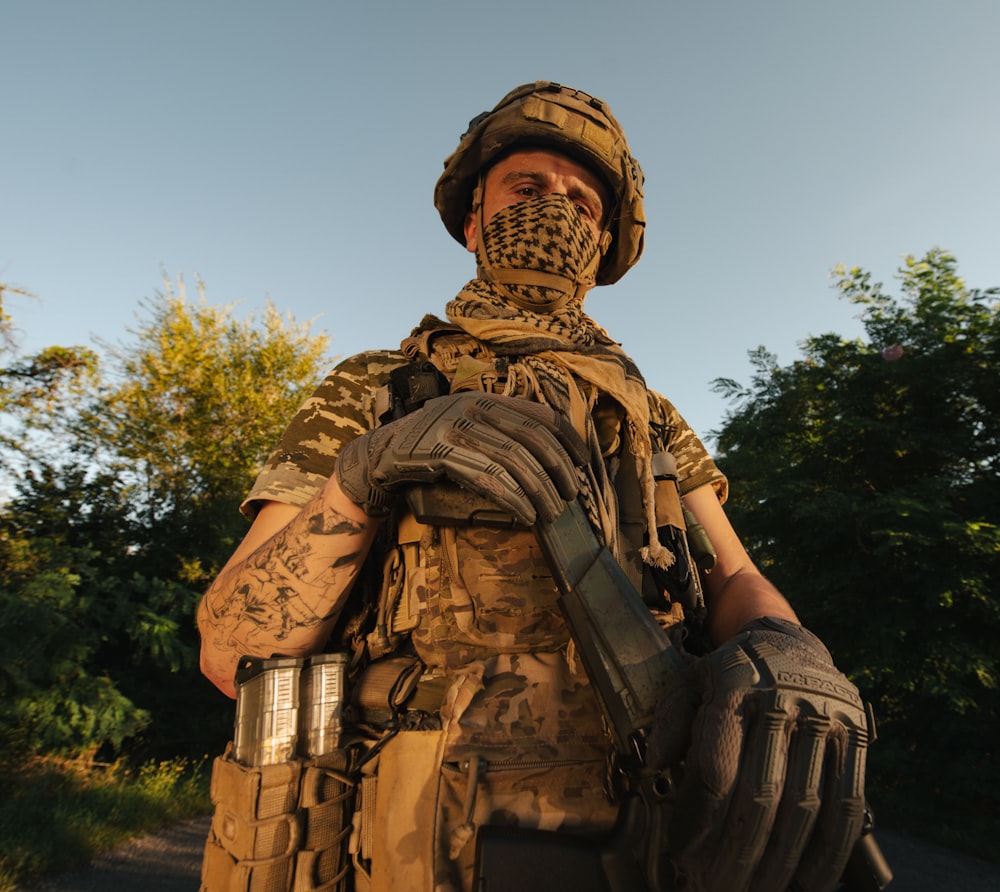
pixel 546 115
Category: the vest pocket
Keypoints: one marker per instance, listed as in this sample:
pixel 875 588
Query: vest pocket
pixel 508 587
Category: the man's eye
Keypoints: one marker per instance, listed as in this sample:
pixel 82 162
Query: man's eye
pixel 585 210
pixel 528 191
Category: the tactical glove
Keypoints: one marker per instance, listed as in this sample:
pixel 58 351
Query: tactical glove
pixel 518 454
pixel 772 789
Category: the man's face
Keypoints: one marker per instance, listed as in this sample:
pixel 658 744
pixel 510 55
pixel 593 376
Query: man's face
pixel 524 175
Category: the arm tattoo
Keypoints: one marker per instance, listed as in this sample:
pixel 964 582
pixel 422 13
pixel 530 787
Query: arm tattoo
pixel 296 581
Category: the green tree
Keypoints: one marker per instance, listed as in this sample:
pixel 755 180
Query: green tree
pixel 192 408
pixel 198 396
pixel 61 601
pixel 126 512
pixel 30 383
pixel 867 487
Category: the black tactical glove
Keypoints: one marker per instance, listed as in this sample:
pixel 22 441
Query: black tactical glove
pixel 772 789
pixel 518 454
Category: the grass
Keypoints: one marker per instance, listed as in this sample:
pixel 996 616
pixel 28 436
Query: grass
pixel 57 815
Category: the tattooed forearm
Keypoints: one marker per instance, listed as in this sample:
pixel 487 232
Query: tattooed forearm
pixel 286 594
pixel 296 580
pixel 278 616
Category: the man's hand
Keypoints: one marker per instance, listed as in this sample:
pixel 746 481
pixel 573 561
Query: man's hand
pixel 772 792
pixel 519 454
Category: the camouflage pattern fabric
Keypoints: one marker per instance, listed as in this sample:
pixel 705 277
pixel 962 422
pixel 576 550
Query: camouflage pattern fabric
pixel 340 409
pixel 552 796
pixel 483 592
pixel 518 708
pixel 694 464
pixel 427 803
pixel 279 827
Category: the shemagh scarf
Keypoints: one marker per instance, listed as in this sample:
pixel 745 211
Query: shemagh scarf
pixel 536 261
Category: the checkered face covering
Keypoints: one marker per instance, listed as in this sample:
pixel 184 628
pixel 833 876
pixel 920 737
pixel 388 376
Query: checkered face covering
pixel 541 251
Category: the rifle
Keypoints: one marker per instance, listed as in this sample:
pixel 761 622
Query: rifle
pixel 629 661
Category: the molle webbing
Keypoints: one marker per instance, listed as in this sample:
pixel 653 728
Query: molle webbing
pixel 279 828
pixel 463 362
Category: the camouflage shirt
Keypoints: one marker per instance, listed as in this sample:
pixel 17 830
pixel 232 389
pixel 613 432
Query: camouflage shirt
pixel 473 596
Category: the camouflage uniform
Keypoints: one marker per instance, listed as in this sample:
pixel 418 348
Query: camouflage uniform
pixel 521 739
pixel 503 727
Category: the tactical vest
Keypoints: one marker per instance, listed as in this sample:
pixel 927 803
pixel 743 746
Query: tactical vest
pixel 518 735
pixel 454 365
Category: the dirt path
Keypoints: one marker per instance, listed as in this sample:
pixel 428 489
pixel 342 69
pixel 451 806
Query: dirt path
pixel 171 862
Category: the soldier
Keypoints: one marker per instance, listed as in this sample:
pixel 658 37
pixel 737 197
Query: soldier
pixel 519 397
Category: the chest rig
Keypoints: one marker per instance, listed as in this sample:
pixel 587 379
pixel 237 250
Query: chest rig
pixel 455 589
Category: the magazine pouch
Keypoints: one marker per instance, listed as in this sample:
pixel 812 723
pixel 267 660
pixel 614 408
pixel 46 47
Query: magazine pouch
pixel 326 806
pixel 279 828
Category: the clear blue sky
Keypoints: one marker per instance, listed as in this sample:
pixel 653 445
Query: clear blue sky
pixel 289 151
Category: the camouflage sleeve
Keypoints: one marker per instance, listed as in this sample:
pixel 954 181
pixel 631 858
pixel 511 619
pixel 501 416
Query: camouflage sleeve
pixel 696 467
pixel 340 409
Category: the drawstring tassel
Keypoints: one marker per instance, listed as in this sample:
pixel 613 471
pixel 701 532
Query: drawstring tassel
pixel 656 554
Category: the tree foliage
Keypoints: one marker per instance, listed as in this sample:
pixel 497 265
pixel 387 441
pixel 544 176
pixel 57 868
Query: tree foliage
pixel 62 539
pixel 199 396
pixel 866 486
pixel 123 510
pixel 30 387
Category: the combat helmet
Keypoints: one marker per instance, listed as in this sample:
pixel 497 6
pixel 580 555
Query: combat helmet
pixel 549 115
